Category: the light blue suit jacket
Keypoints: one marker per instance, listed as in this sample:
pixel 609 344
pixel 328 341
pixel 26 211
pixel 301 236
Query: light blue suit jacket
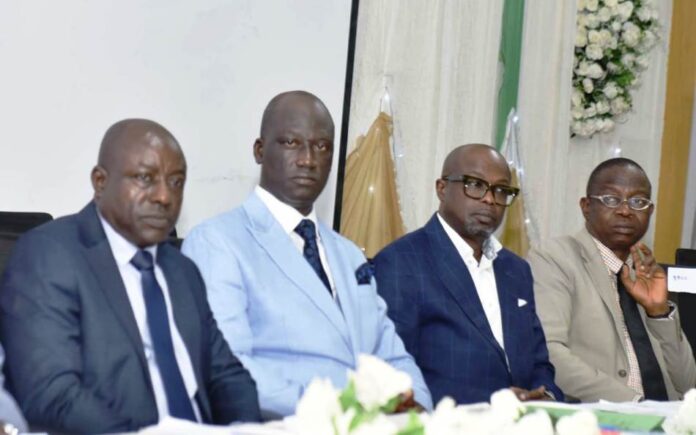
pixel 277 315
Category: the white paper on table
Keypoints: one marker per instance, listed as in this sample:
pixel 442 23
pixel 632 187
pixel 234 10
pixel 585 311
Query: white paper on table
pixel 648 407
pixel 681 279
pixel 176 426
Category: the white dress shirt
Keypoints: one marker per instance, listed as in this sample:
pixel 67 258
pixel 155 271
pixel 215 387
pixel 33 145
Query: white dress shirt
pixel 123 252
pixel 288 218
pixel 483 276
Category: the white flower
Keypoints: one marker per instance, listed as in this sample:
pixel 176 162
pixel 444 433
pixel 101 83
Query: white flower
pixel 537 423
pixel 316 410
pixel 595 71
pixel 612 67
pixel 594 37
pixel 642 62
pixel 604 14
pixel 618 106
pixel 583 68
pixel 605 37
pixel 381 425
pixel 625 10
pixel 608 125
pixel 611 90
pixel 587 86
pixel 376 382
pixel 580 37
pixel 628 59
pixel 611 3
pixel 576 98
pixel 591 5
pixel 602 106
pixel 580 423
pixel 644 13
pixel 631 34
pixel 683 423
pixel 615 25
pixel 592 21
pixel 506 406
pixel 582 21
pixel 594 52
pixel 591 111
pixel 581 4
pixel 649 39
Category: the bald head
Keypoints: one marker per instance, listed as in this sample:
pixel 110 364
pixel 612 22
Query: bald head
pixel 457 158
pixel 293 101
pixel 128 132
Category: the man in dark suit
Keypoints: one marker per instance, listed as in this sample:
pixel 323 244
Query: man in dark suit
pixel 462 304
pixel 106 328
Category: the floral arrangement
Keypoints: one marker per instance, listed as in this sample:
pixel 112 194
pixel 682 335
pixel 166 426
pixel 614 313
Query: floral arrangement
pixel 684 422
pixel 612 41
pixel 376 389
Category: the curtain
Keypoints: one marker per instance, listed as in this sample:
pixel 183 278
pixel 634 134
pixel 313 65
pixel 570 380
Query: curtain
pixel 438 61
pixel 370 214
pixel 558 166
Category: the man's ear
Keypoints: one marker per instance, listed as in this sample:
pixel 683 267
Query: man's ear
pixel 98 178
pixel 440 188
pixel 258 150
pixel 585 206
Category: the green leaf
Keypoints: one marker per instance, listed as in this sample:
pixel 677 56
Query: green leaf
pixel 414 425
pixel 391 406
pixel 349 399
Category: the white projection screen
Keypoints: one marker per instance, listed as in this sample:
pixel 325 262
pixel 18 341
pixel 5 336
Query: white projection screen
pixel 204 69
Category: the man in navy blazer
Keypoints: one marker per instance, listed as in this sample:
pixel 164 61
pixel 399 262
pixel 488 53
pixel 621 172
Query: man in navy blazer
pixel 107 328
pixel 463 305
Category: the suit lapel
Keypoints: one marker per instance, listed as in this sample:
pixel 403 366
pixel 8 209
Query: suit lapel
pixel 344 278
pixel 455 276
pixel 508 299
pixel 279 247
pixel 186 317
pixel 597 271
pixel 184 307
pixel 104 268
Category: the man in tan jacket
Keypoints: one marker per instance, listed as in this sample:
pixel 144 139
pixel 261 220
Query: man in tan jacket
pixel 602 299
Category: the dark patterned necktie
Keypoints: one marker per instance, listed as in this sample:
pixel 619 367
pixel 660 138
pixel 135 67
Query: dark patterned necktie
pixel 307 231
pixel 650 373
pixel 160 333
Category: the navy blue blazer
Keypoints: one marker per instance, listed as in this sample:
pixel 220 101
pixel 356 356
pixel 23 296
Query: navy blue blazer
pixel 75 359
pixel 437 312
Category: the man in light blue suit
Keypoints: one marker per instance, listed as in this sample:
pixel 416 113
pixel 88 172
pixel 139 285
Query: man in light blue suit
pixel 294 299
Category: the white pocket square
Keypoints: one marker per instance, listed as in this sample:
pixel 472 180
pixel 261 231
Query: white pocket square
pixel 521 303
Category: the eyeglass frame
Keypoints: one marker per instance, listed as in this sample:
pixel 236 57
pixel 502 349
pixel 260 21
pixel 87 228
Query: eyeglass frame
pixel 600 198
pixel 514 191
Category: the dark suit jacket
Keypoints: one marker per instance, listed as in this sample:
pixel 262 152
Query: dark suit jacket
pixel 431 298
pixel 75 358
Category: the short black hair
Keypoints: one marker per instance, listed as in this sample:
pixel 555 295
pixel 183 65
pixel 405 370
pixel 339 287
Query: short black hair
pixel 609 164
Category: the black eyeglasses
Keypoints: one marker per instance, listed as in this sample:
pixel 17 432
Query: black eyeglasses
pixel 476 188
pixel 637 203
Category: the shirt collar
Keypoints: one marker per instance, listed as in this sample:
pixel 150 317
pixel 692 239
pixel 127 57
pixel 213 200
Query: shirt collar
pixel 490 249
pixel 287 216
pixel 610 260
pixel 122 249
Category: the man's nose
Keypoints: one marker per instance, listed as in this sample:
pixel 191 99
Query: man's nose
pixel 161 192
pixel 306 155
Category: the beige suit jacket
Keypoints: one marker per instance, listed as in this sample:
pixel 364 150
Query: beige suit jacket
pixel 577 305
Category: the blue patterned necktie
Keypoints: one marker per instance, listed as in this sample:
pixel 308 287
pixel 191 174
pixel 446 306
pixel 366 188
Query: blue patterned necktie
pixel 161 336
pixel 307 231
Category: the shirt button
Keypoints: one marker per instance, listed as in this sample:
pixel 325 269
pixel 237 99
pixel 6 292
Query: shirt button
pixel 622 373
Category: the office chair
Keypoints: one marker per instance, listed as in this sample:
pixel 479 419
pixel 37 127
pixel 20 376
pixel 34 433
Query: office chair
pixel 14 224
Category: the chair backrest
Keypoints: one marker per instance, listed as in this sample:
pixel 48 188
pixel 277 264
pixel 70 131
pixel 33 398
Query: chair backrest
pixel 12 225
pixel 687 301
